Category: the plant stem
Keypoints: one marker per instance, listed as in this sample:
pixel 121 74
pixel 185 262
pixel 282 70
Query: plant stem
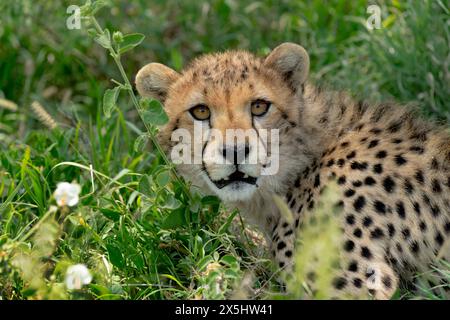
pixel 150 129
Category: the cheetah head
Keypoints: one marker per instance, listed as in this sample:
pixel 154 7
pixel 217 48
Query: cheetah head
pixel 228 112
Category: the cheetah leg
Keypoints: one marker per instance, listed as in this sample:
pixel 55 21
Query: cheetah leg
pixel 357 277
pixel 373 280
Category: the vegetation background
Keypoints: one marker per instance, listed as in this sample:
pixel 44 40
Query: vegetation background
pixel 137 232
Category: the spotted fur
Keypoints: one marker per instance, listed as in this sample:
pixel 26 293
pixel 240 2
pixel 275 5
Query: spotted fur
pixel 391 166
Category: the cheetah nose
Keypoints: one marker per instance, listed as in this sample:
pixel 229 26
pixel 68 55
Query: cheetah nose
pixel 236 154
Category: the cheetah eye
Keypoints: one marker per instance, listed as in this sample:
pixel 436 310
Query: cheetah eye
pixel 260 107
pixel 200 112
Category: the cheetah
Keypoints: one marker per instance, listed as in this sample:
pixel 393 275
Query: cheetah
pixel 392 168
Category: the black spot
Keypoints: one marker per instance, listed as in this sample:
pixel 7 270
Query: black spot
pixel 426 199
pixel 417 149
pixel 378 168
pixel 289 197
pixel 288 253
pixel 353 266
pixel 339 283
pixel 447 227
pixel 285 225
pixel 399 247
pixel 357 183
pixel 415 247
pixel 281 245
pixel 359 165
pixel 317 181
pixel 375 130
pixel 416 206
pixel 369 272
pixel 436 186
pixel 349 193
pixel 369 181
pixel 350 219
pixel 344 144
pixel 435 211
pixel 341 162
pixel 367 221
pixel 423 225
pixel 311 205
pixel 330 163
pixel 400 210
pixel 395 126
pixel 349 245
pixel 357 233
pixel 359 203
pixel 288 233
pixel 281 264
pixel 380 207
pixel 293 203
pixel 373 144
pixel 406 233
pixel 400 160
pixel 419 176
pixel 377 233
pixel 387 282
pixel 388 184
pixel 434 164
pixel 439 238
pixel 341 180
pixel 351 155
pixel 408 187
pixel 391 230
pixel 421 136
pixel 339 204
pixel 381 154
pixel 357 282
pixel 397 141
pixel 297 182
pixel 365 252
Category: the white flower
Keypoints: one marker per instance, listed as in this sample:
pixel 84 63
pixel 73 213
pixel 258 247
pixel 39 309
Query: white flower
pixel 66 194
pixel 77 276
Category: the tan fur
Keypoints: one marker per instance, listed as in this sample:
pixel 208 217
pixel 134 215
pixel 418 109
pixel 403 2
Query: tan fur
pixel 325 135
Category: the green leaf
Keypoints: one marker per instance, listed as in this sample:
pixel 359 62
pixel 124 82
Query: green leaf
pixel 109 100
pixel 86 9
pixel 110 214
pixel 170 202
pixel 141 142
pixel 175 219
pixel 153 112
pixel 92 32
pixel 104 39
pixel 130 41
pixel 230 260
pixel 162 179
pixel 145 185
pixel 115 256
pixel 97 5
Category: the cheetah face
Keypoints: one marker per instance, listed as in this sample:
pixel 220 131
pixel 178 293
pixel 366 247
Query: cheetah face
pixel 226 112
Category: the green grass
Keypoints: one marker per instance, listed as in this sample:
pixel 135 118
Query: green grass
pixel 140 235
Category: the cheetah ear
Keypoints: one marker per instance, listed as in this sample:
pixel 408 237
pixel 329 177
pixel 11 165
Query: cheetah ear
pixel 292 61
pixel 154 80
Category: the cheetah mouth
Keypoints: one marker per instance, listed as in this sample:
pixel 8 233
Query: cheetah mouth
pixel 236 176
